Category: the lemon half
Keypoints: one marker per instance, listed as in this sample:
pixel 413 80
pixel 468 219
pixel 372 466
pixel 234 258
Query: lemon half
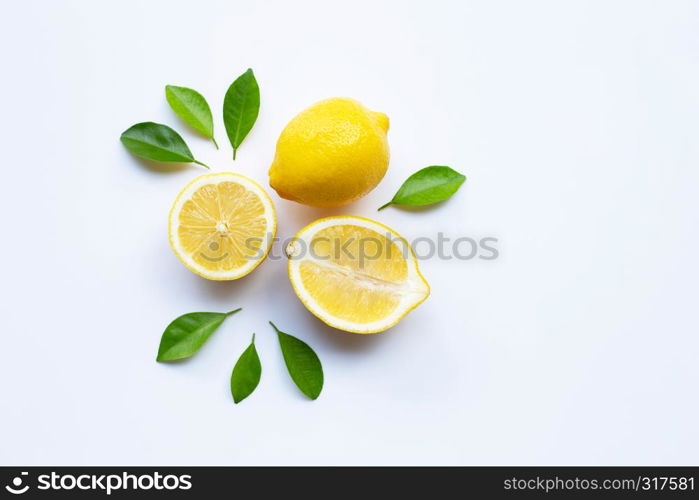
pixel 221 226
pixel 355 274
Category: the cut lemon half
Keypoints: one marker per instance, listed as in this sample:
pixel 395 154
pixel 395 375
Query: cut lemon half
pixel 355 274
pixel 222 226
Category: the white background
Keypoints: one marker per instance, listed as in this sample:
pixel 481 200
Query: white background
pixel 576 124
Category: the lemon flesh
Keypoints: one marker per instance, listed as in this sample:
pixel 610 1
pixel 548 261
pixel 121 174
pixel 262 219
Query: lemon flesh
pixel 355 274
pixel 221 226
pixel 331 154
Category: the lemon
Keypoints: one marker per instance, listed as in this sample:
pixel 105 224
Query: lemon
pixel 222 226
pixel 355 274
pixel 331 154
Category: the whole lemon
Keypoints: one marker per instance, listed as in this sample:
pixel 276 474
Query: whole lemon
pixel 331 154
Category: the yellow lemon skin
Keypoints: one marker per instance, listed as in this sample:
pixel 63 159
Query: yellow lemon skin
pixel 331 154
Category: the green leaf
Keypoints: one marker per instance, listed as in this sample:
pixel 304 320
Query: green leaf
pixel 302 363
pixel 186 334
pixel 154 141
pixel 427 186
pixel 246 373
pixel 241 106
pixel 191 106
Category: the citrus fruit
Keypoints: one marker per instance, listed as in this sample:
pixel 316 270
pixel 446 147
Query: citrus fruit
pixel 222 226
pixel 355 274
pixel 331 154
